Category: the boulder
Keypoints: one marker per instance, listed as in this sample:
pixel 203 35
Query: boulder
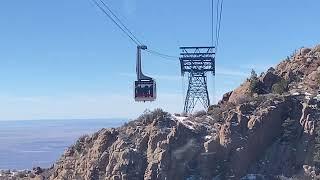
pixel 269 79
pixel 304 51
pixel 37 170
pixel 225 98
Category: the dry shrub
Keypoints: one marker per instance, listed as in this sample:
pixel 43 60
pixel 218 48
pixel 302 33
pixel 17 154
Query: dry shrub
pixel 280 87
pixel 79 145
pixel 199 113
pixel 149 116
pixel 244 99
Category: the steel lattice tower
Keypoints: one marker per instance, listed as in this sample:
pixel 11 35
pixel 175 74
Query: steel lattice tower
pixel 197 62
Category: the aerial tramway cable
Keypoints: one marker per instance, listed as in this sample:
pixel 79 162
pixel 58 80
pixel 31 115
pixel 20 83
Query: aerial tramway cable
pixel 145 86
pixel 164 56
pixel 215 31
pixel 118 19
pixel 123 29
pixel 104 7
pixel 212 22
pixel 219 10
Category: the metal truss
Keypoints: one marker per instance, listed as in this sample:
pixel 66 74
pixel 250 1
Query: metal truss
pixel 197 62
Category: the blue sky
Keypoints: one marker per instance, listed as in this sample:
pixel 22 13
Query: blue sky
pixel 64 59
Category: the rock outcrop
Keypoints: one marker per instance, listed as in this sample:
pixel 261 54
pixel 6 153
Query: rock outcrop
pixel 160 146
pixel 300 71
pixel 245 136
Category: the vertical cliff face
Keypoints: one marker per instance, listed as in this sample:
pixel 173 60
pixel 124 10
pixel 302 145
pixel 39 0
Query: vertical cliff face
pixel 294 148
pixel 266 134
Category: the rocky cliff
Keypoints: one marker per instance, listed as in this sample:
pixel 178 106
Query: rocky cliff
pixel 300 71
pixel 268 134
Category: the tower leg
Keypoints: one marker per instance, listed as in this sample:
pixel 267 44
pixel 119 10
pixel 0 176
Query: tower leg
pixel 197 91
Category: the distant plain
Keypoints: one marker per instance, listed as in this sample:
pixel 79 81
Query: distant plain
pixel 29 143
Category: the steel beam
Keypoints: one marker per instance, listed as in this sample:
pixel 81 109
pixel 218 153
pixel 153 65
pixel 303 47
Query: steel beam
pixel 197 62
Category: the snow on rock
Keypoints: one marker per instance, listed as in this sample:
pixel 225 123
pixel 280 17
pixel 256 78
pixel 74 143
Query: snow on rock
pixel 187 123
pixel 180 118
pixel 239 149
pixel 295 94
pixel 207 137
pixel 307 94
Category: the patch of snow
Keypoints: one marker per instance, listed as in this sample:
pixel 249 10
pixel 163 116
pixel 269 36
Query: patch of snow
pixel 185 122
pixel 234 124
pixel 189 124
pixel 239 149
pixel 295 94
pixel 14 174
pixel 307 94
pixel 210 118
pixel 276 102
pixel 180 118
pixel 317 97
pixel 207 137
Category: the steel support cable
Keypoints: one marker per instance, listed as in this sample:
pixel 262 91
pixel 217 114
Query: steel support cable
pixel 115 22
pixel 220 18
pixel 119 20
pixel 216 21
pixel 218 25
pixel 212 22
pixel 164 56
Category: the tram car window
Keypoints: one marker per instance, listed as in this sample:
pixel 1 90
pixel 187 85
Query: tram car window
pixel 145 90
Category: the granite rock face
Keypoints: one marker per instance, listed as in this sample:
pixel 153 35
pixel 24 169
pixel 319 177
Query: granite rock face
pixel 301 72
pixel 262 136
pixel 161 146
